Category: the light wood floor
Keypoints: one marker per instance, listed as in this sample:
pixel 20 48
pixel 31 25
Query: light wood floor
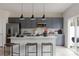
pixel 62 51
pixel 1 51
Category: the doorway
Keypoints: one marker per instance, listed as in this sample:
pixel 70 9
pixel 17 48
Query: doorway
pixel 73 33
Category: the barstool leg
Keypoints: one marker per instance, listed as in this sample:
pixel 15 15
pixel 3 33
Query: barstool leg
pixel 12 51
pixel 19 50
pixel 36 50
pixel 26 50
pixel 41 50
pixel 9 50
pixel 52 50
pixel 4 50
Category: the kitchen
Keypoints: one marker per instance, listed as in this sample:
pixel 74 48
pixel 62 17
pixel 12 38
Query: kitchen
pixel 36 29
pixel 33 30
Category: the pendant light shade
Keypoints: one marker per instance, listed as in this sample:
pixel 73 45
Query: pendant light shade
pixel 32 18
pixel 22 17
pixel 43 17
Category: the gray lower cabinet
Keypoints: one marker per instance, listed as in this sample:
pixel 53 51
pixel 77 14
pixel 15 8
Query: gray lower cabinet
pixel 60 40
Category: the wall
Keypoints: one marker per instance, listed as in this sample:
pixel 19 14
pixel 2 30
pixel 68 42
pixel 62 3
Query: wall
pixel 3 20
pixel 71 12
pixel 36 14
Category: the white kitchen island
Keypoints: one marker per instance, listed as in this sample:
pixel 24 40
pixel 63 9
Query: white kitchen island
pixel 34 39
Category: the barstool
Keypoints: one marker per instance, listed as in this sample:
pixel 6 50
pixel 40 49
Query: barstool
pixel 10 45
pixel 47 44
pixel 27 48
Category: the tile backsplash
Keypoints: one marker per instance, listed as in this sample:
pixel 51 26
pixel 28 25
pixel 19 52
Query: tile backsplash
pixel 33 30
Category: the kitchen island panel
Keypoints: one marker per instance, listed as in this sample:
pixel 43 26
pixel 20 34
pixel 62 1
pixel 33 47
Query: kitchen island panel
pixel 38 40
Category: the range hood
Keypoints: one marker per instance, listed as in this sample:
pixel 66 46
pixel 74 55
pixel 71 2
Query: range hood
pixel 41 24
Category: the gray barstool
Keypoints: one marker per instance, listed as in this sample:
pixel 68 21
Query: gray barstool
pixel 47 44
pixel 27 52
pixel 11 52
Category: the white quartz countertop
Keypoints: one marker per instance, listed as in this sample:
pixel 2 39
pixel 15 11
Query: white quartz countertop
pixel 34 37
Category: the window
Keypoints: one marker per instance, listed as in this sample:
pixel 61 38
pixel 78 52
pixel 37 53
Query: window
pixel 72 23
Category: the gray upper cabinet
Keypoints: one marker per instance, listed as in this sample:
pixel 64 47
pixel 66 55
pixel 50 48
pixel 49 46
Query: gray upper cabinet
pixel 27 23
pixel 56 22
pixel 33 23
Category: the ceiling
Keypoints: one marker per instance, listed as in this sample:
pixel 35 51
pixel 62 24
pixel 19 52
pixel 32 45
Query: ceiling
pixel 38 7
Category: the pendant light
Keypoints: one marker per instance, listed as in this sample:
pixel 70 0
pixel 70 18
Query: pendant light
pixel 43 17
pixel 32 18
pixel 22 17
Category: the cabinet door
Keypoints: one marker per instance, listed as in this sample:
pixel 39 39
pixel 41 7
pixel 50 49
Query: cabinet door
pixel 60 40
pixel 54 22
pixel 33 23
pixel 27 23
pixel 57 23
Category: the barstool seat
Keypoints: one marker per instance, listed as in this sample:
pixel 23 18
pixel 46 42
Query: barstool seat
pixel 46 44
pixel 27 48
pixel 10 45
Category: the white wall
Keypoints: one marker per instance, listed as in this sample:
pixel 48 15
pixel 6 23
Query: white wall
pixel 68 14
pixel 3 20
pixel 39 14
pixel 72 11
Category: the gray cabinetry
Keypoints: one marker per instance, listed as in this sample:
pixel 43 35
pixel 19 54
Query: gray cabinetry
pixel 60 40
pixel 27 23
pixel 56 22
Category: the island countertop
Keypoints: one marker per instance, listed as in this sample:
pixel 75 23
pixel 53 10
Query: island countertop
pixel 29 37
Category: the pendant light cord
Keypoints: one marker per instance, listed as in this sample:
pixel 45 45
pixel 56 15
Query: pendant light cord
pixel 21 8
pixel 43 8
pixel 21 17
pixel 32 11
pixel 32 8
pixel 43 11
